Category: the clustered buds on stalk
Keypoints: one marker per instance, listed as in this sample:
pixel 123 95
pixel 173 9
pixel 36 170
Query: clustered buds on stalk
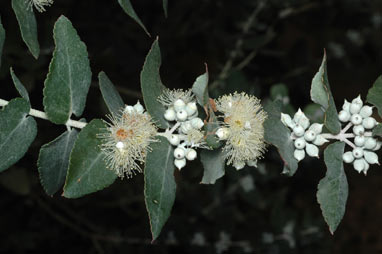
pixel 181 108
pixel 306 137
pixel 360 116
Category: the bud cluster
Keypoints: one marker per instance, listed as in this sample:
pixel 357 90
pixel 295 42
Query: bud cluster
pixel 360 116
pixel 306 137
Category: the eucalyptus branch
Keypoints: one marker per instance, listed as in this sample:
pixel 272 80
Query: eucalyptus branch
pixel 42 115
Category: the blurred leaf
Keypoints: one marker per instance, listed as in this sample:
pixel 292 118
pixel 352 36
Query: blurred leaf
pixel 321 94
pixel 377 130
pixel 213 164
pixel 111 96
pixel 88 171
pixel 68 81
pixel 28 25
pixel 152 86
pixel 374 96
pixel 200 89
pixel 277 134
pixel 128 8
pixel 165 7
pixel 314 112
pixel 19 86
pixel 2 39
pixel 16 180
pixel 279 91
pixel 17 132
pixel 53 161
pixel 333 188
pixel 210 130
pixel 160 186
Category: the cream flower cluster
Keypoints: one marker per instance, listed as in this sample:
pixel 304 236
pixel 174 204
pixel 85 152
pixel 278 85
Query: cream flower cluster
pixel 306 137
pixel 186 133
pixel 39 4
pixel 360 117
pixel 242 129
pixel 126 140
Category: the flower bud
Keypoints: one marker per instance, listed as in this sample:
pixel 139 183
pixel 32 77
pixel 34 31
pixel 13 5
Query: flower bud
pixel 174 140
pixel 346 106
pixel 311 150
pixel 191 108
pixel 297 116
pixel 179 153
pixel 354 108
pixel 344 116
pixel 179 105
pixel 252 163
pixel 139 108
pixel 239 165
pixel 366 168
pixel 366 111
pixel 310 135
pixel 358 152
pixel 370 143
pixel 320 140
pixel 179 164
pixel 170 114
pixel 197 123
pixel 299 154
pixel 371 157
pixel 298 130
pixel 181 115
pixel 129 109
pixel 357 101
pixel 358 130
pixel 222 133
pixel 356 119
pixel 369 123
pixel 359 165
pixel 304 122
pixel 359 141
pixel 378 146
pixel 191 154
pixel 316 127
pixel 287 120
pixel 348 157
pixel 185 127
pixel 300 143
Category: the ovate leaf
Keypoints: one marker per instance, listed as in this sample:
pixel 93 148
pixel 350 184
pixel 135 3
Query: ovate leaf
pixel 19 86
pixel 333 188
pixel 152 86
pixel 321 94
pixel 53 161
pixel 277 134
pixel 28 25
pixel 160 186
pixel 374 96
pixel 200 89
pixel 128 8
pixel 69 77
pixel 213 164
pixel 111 96
pixel 2 39
pixel 87 171
pixel 17 132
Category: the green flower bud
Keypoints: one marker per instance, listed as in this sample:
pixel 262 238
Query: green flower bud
pixel 348 157
pixel 316 127
pixel 356 119
pixel 287 120
pixel 311 150
pixel 358 130
pixel 369 123
pixel 370 143
pixel 320 140
pixel 298 130
pixel 179 164
pixel 310 135
pixel 359 140
pixel 299 154
pixel 358 152
pixel 359 165
pixel 371 157
pixel 346 106
pixel 344 116
pixel 300 143
pixel 366 111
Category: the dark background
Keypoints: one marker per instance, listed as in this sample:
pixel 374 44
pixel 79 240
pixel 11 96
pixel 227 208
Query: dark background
pixel 283 43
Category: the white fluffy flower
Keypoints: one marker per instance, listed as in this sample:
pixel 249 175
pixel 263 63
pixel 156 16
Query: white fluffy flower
pixel 39 4
pixel 243 118
pixel 168 97
pixel 126 141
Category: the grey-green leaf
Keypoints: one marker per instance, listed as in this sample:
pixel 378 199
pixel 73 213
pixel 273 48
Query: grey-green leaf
pixel 111 96
pixel 374 96
pixel 332 191
pixel 160 186
pixel 53 161
pixel 165 7
pixel 68 81
pixel 19 86
pixel 152 86
pixel 28 25
pixel 2 39
pixel 200 89
pixel 88 171
pixel 17 132
pixel 213 164
pixel 321 94
pixel 128 8
pixel 277 134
